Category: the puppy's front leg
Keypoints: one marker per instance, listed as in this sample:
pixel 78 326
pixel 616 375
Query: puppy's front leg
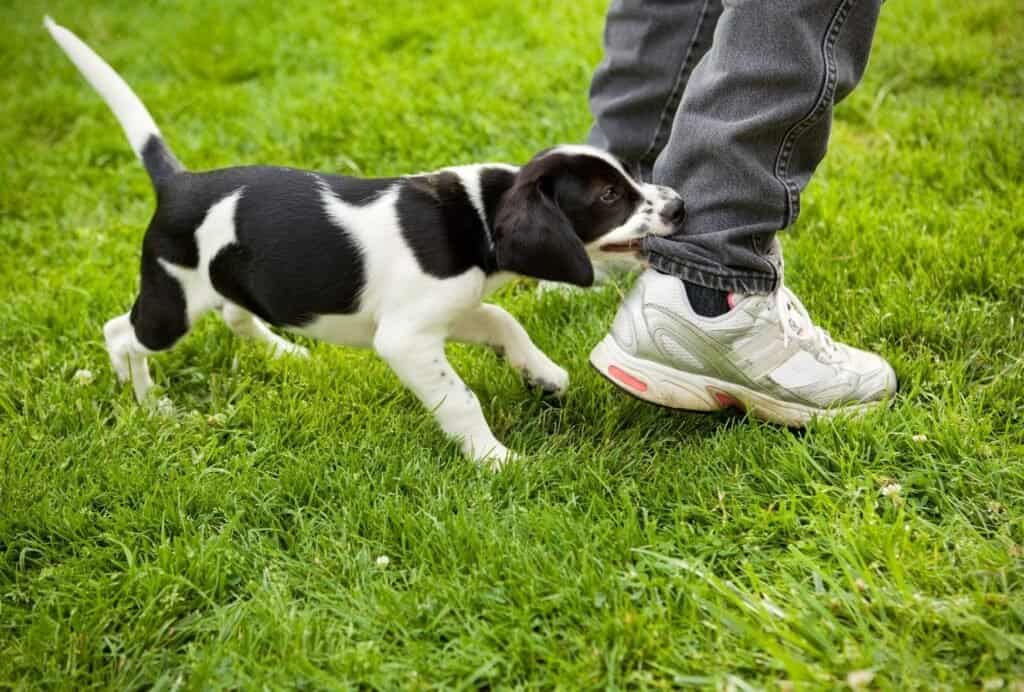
pixel 417 356
pixel 491 325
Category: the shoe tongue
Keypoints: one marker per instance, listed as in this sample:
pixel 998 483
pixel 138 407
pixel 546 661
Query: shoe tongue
pixel 733 299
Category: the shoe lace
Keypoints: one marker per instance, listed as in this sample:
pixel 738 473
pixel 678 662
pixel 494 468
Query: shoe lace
pixel 797 323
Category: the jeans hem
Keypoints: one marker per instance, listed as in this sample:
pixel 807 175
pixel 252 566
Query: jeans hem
pixel 717 278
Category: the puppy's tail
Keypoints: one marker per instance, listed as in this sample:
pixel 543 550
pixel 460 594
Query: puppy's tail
pixel 142 132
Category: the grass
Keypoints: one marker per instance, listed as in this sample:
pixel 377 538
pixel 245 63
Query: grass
pixel 239 543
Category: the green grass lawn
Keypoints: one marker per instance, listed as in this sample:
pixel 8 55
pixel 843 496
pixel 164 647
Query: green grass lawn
pixel 239 542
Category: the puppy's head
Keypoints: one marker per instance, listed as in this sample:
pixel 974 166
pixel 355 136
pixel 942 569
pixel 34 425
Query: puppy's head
pixel 572 204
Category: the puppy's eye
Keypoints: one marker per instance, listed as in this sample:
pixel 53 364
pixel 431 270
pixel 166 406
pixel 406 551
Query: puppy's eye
pixel 610 195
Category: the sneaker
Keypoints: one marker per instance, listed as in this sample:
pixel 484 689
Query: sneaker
pixel 764 356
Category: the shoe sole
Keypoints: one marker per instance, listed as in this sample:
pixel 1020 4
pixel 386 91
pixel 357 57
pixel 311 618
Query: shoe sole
pixel 675 389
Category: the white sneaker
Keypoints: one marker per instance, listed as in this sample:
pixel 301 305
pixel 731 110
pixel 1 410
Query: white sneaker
pixel 764 356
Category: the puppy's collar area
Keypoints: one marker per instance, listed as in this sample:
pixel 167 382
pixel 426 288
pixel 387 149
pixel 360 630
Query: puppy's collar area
pixel 490 258
pixel 486 187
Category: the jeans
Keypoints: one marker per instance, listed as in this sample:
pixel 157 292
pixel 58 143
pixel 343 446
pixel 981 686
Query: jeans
pixel 730 103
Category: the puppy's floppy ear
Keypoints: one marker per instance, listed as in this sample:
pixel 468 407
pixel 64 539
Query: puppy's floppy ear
pixel 533 237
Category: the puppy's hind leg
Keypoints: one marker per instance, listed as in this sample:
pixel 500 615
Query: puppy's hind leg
pixel 157 320
pixel 246 325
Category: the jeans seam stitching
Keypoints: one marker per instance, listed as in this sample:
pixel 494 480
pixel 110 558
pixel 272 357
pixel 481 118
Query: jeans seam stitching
pixel 828 86
pixel 675 96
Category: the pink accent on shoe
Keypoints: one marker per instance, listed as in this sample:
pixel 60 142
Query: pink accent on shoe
pixel 730 299
pixel 627 379
pixel 726 400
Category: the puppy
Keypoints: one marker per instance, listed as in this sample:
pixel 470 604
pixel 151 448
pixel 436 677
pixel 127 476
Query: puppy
pixel 397 264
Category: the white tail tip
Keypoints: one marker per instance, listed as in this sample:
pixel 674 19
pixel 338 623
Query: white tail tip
pixel 134 118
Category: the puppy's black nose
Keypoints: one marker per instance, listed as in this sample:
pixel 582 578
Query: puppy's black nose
pixel 674 212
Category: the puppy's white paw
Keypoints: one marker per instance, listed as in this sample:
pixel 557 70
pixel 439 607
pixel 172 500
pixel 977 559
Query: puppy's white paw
pixel 557 286
pixel 162 407
pixel 287 348
pixel 549 377
pixel 493 455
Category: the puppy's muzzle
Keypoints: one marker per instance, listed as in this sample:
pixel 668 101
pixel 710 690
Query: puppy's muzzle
pixel 674 213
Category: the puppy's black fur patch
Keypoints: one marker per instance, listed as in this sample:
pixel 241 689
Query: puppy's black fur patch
pixel 494 183
pixel 290 262
pixel 158 315
pixel 443 228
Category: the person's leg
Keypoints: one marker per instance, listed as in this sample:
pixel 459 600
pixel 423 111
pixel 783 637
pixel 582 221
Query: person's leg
pixel 751 127
pixel 650 50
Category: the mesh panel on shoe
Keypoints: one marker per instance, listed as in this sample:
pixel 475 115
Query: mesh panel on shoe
pixel 679 356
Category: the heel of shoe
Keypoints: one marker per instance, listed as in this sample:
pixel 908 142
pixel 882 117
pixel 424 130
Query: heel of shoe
pixel 650 381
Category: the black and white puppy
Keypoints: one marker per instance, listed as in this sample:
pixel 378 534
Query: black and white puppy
pixel 397 264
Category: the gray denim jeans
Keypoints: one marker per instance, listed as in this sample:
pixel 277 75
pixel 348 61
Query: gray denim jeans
pixel 730 103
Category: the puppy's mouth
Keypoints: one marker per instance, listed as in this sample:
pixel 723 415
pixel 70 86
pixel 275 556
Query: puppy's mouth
pixel 633 247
